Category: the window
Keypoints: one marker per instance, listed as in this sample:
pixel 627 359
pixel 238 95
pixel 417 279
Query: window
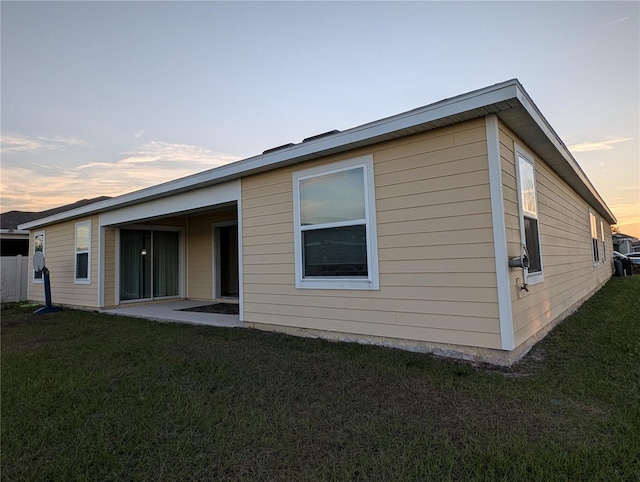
pixel 529 225
pixel 38 245
pixel 83 252
pixel 594 237
pixel 604 245
pixel 335 228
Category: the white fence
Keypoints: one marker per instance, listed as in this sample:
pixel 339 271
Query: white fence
pixel 13 278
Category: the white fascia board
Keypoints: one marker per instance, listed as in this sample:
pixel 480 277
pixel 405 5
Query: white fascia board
pixel 13 233
pixel 182 202
pixel 365 134
pixel 477 104
pixel 546 128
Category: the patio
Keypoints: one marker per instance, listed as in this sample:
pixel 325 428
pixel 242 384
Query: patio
pixel 170 311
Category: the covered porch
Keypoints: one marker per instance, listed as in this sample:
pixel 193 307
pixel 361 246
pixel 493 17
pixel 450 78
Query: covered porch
pixel 183 247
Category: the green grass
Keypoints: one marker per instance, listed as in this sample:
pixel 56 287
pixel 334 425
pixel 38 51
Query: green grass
pixel 93 397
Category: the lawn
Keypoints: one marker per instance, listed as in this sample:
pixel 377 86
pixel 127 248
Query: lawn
pixel 95 397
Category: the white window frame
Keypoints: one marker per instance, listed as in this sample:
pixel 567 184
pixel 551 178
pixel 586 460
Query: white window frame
pixel 538 276
pixel 372 281
pixel 44 238
pixel 76 280
pixel 593 230
pixel 604 244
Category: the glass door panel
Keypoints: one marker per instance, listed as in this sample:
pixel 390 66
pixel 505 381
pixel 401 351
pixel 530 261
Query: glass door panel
pixel 166 277
pixel 135 264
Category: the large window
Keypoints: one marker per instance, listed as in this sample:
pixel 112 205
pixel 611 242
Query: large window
pixel 38 245
pixel 83 252
pixel 529 225
pixel 594 237
pixel 335 229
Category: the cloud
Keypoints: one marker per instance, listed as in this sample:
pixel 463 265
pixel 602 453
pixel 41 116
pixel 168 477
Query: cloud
pixel 613 22
pixel 152 163
pixel 605 145
pixel 140 133
pixel 164 152
pixel 12 143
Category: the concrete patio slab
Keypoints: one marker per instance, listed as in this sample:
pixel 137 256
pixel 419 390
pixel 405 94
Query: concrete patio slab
pixel 169 311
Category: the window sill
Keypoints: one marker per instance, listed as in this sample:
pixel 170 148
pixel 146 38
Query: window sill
pixel 338 284
pixel 534 279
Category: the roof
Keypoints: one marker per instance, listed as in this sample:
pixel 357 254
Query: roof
pixel 12 219
pixel 507 100
pixel 622 236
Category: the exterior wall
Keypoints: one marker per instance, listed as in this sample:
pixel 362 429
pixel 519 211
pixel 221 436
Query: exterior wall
pixel 435 247
pixel 570 276
pixel 60 259
pixel 109 267
pixel 177 221
pixel 200 247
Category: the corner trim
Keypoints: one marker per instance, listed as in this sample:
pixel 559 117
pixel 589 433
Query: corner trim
pixel 499 233
pixel 239 217
pixel 101 263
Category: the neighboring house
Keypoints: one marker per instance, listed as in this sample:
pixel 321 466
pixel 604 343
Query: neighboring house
pixel 14 248
pixel 624 243
pixel 14 265
pixel 399 232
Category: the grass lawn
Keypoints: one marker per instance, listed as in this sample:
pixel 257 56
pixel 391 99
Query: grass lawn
pixel 95 397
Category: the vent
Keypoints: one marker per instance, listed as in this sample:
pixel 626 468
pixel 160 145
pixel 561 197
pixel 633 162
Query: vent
pixel 324 134
pixel 283 146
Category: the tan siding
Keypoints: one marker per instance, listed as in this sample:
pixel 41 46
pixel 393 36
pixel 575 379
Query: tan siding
pixel 60 260
pixel 565 237
pixel 109 267
pixel 436 256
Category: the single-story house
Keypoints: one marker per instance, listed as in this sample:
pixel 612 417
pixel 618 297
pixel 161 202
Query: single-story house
pixel 463 228
pixel 624 243
pixel 14 249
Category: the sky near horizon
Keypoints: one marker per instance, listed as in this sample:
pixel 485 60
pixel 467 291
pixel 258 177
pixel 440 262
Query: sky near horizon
pixel 105 98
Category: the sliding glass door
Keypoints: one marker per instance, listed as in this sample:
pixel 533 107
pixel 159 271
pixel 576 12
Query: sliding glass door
pixel 166 278
pixel 149 264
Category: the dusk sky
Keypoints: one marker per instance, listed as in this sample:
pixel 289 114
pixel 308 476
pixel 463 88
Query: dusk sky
pixel 104 98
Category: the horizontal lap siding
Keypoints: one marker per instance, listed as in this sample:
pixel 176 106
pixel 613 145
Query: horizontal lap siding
pixel 60 260
pixel 435 246
pixel 565 239
pixel 109 267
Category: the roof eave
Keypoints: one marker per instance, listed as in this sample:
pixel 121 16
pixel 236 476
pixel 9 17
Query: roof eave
pixel 495 99
pixel 574 175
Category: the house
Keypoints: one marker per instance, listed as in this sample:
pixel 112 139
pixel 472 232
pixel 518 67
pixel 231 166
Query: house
pixel 463 228
pixel 624 243
pixel 14 248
